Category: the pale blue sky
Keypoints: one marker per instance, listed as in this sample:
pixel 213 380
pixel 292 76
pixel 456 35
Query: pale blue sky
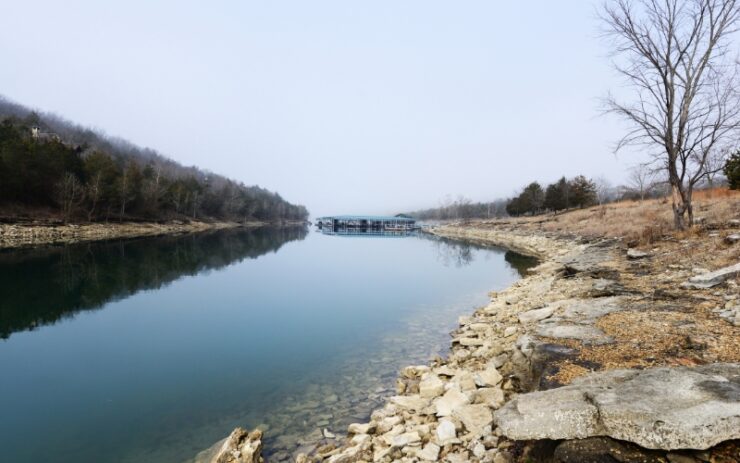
pixel 345 106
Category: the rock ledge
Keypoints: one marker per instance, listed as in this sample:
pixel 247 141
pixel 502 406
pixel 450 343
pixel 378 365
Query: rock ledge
pixel 659 408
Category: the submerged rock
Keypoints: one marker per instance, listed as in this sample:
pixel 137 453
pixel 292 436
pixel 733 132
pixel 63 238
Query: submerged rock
pixel 659 408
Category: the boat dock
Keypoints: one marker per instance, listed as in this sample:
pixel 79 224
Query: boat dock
pixel 366 223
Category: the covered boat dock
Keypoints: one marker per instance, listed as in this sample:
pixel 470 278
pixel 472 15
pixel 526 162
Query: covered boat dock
pixel 366 222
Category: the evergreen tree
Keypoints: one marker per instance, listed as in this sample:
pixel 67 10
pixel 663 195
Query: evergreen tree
pixel 732 170
pixel 557 195
pixel 582 192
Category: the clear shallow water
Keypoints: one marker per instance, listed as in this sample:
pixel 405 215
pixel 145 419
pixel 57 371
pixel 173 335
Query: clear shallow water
pixel 152 350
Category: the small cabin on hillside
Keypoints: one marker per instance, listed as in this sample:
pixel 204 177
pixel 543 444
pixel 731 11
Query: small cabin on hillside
pixel 38 134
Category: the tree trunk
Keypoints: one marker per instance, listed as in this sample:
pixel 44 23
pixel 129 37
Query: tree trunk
pixel 679 206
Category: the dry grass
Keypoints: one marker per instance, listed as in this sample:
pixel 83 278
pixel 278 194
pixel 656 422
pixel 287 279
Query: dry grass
pixel 638 222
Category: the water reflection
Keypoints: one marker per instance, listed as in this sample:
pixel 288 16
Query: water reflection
pixel 520 262
pixel 369 232
pixel 450 252
pixel 41 286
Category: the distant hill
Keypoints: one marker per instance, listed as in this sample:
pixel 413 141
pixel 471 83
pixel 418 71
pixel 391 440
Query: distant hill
pixel 48 163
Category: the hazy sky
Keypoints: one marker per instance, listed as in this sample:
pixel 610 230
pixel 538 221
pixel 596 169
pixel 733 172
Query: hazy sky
pixel 344 106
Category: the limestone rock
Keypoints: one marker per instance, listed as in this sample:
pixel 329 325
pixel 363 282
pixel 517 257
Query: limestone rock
pixel 586 333
pixel 431 386
pixel 468 342
pixel 409 438
pixel 474 417
pixel 414 371
pixel 712 279
pixel 491 396
pixel 510 331
pixel 732 239
pixel 451 400
pixel 659 408
pixel 465 380
pixel 430 452
pixel 346 456
pixel 536 315
pixel 635 254
pixel 410 402
pixel 446 431
pixel 240 447
pixel 445 370
pixel 488 377
pixel 388 423
pixel 358 428
pixel 590 309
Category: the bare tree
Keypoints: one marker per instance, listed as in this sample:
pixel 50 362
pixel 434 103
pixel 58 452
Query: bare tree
pixel 714 164
pixel 673 53
pixel 604 190
pixel 640 179
pixel 70 194
pixel 94 191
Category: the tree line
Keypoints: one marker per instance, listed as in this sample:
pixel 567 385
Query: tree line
pixel 564 194
pixel 101 179
pixel 461 208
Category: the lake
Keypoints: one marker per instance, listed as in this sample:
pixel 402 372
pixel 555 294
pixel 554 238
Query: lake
pixel 152 350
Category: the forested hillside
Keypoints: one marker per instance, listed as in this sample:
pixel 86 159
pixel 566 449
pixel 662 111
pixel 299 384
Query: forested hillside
pixel 47 163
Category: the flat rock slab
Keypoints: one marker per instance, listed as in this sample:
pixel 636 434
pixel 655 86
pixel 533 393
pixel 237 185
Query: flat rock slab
pixel 537 314
pixel 658 408
pixel 712 279
pixel 587 334
pixel 635 254
pixel 585 260
pixel 591 308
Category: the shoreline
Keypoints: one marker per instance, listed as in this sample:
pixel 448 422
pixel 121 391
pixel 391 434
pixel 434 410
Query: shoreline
pixel 21 235
pixel 549 333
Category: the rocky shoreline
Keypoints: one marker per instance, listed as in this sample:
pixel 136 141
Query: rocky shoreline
pixel 21 235
pixel 603 353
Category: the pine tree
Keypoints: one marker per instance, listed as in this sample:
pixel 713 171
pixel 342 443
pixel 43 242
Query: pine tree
pixel 732 170
pixel 582 192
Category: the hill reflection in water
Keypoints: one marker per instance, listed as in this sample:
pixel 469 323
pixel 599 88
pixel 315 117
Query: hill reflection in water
pixel 42 286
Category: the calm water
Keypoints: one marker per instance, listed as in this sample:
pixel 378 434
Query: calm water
pixel 152 350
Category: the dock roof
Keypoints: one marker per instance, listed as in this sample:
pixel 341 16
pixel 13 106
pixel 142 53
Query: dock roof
pixel 379 218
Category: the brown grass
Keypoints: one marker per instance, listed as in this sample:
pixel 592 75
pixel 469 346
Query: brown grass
pixel 638 222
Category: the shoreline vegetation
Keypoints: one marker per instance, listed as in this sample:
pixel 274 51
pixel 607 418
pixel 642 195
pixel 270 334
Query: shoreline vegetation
pixel 23 235
pixel 553 368
pixel 50 167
